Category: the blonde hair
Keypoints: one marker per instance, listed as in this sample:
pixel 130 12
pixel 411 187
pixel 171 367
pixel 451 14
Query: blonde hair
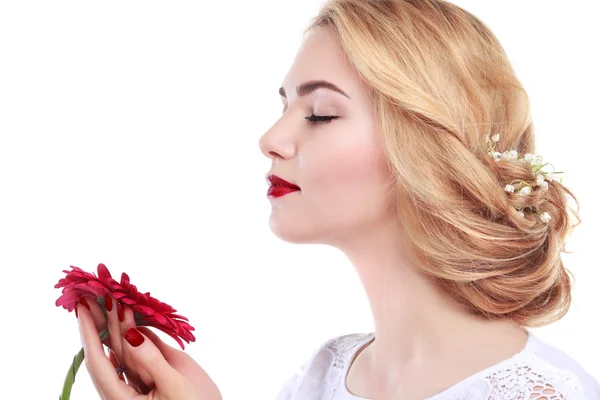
pixel 440 84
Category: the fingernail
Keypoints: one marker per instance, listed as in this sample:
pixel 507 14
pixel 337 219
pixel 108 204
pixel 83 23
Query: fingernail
pixel 85 303
pixel 108 302
pixel 133 337
pixel 120 312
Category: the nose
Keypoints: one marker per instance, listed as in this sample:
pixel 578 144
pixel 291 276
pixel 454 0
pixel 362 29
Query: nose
pixel 274 143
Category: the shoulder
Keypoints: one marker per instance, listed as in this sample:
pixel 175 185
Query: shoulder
pixel 543 371
pixel 562 369
pixel 333 353
pixel 318 370
pixel 340 345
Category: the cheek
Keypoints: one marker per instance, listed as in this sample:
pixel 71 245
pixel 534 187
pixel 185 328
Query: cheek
pixel 345 168
pixel 345 177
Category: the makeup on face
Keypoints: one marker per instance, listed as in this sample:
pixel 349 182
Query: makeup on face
pixel 280 187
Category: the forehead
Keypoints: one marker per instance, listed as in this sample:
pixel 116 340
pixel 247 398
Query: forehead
pixel 320 57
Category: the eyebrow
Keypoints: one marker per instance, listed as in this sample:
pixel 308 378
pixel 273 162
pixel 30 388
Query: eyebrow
pixel 311 86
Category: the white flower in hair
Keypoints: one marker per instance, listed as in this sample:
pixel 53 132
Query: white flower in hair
pixel 525 190
pixel 528 157
pixel 545 217
pixel 542 178
pixel 510 155
pixel 539 178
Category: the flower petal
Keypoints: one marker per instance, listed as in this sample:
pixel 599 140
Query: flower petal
pixel 103 272
pixel 148 311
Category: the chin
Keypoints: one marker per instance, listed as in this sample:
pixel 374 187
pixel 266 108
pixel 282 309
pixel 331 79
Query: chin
pixel 302 233
pixel 293 233
pixel 293 236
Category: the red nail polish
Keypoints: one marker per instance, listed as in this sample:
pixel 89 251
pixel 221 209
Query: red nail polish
pixel 120 312
pixel 108 302
pixel 133 337
pixel 85 303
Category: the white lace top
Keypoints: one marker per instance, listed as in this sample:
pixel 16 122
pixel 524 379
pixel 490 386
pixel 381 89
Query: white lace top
pixel 539 371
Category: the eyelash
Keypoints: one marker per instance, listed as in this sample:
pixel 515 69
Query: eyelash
pixel 318 119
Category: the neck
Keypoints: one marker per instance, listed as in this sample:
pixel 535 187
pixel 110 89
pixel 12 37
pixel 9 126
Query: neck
pixel 416 325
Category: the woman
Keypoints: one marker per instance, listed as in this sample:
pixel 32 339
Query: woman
pixel 395 147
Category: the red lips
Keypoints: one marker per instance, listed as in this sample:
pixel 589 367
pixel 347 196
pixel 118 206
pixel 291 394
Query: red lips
pixel 277 181
pixel 280 186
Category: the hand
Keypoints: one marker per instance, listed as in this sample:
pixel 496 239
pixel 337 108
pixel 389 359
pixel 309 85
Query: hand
pixel 155 370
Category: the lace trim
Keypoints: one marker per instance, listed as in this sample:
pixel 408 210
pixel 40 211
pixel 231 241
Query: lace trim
pixel 532 377
pixel 525 376
pixel 341 347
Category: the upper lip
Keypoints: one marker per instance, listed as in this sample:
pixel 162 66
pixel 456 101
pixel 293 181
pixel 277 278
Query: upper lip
pixel 275 180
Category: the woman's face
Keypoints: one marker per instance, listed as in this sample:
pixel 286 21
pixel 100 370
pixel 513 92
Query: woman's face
pixel 339 165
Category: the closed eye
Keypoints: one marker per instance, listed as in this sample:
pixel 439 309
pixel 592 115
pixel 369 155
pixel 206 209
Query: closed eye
pixel 318 119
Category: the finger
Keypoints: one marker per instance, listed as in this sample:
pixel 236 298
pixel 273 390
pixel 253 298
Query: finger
pixel 96 312
pixel 113 359
pixel 143 351
pixel 178 359
pixel 114 328
pixel 166 350
pixel 185 365
pixel 136 373
pixel 98 365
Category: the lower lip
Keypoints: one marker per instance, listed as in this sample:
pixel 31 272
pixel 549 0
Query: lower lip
pixel 278 191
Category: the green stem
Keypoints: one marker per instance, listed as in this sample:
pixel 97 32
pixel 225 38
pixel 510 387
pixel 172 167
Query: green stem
pixel 77 360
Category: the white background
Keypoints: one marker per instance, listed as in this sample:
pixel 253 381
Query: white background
pixel 129 136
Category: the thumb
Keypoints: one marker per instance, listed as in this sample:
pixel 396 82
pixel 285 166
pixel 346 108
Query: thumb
pixel 178 359
pixel 144 353
pixel 169 352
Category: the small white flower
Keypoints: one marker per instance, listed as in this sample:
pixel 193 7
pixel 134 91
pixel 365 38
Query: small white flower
pixel 536 161
pixel 544 185
pixel 509 188
pixel 510 155
pixel 539 178
pixel 497 155
pixel 525 190
pixel 545 217
pixel 550 176
pixel 496 137
pixel 528 157
pixel 521 213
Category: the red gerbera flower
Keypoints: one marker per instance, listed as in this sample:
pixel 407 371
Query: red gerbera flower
pixel 147 310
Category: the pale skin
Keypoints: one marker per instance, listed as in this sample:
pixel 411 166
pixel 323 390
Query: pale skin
pixel 424 343
pixel 155 370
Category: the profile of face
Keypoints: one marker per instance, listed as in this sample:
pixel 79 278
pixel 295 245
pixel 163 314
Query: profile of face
pixel 339 163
